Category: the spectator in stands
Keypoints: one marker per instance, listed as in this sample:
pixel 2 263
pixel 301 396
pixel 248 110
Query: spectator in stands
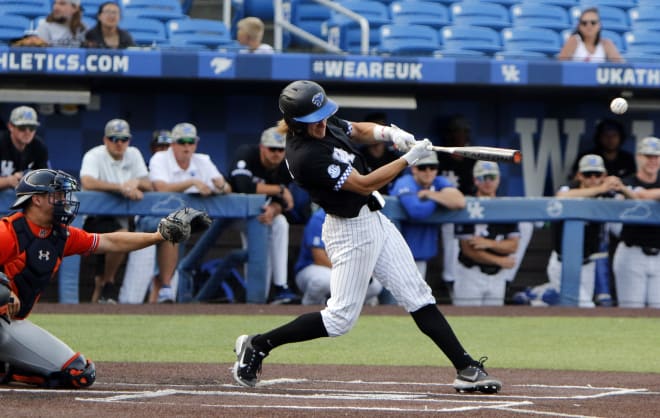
pixel 107 34
pixel 313 267
pixel 586 43
pixel 113 167
pixel 250 35
pixel 63 26
pixel 421 193
pixel 456 133
pixel 180 169
pixel 608 139
pixel 637 257
pixel 487 251
pixel 380 153
pixel 591 181
pixel 161 139
pixel 20 149
pixel 262 169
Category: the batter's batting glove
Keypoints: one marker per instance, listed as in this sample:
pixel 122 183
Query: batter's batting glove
pixel 403 141
pixel 5 297
pixel 418 152
pixel 179 225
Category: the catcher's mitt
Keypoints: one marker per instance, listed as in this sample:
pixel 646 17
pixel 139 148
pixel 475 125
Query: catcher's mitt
pixel 178 225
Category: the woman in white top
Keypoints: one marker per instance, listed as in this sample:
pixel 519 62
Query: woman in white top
pixel 586 43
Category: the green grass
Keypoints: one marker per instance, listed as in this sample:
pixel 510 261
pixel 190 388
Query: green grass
pixel 561 343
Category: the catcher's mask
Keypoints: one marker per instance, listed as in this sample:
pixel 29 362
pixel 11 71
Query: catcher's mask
pixel 58 185
pixel 303 102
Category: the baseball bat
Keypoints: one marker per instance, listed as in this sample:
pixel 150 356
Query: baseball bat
pixel 504 155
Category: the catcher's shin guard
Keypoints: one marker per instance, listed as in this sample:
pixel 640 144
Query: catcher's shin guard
pixel 76 373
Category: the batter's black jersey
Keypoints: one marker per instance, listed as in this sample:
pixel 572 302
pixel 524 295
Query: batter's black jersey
pixel 34 156
pixel 321 166
pixel 496 232
pixel 593 232
pixel 246 171
pixel 637 234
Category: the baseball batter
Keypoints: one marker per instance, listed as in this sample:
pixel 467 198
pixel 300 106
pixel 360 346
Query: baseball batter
pixel 637 257
pixel 361 242
pixel 34 242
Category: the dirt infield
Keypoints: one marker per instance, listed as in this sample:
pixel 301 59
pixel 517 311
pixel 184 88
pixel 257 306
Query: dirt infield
pixel 125 389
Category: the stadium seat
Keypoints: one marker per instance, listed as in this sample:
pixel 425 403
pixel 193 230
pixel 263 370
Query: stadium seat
pixel 263 9
pixel 145 32
pixel 621 4
pixel 309 16
pixel 505 3
pixel 540 16
pixel 485 40
pixel 642 41
pixel 566 4
pixel 611 18
pixel 163 10
pixel 459 53
pixel 521 54
pixel 419 13
pixel 91 7
pixel 541 40
pixel 645 17
pixel 30 10
pixel 490 15
pixel 405 39
pixel 207 32
pixel 13 27
pixel 345 33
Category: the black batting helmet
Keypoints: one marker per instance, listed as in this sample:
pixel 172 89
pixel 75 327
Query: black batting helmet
pixel 305 101
pixel 46 181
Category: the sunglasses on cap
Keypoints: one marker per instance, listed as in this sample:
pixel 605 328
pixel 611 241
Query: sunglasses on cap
pixel 487 177
pixel 24 128
pixel 424 167
pixel 116 139
pixel 589 174
pixel 275 149
pixel 588 22
pixel 186 141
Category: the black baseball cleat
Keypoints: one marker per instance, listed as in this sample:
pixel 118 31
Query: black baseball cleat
pixel 475 379
pixel 247 368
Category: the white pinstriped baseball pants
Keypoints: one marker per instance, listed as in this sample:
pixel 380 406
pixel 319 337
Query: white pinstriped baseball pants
pixel 360 247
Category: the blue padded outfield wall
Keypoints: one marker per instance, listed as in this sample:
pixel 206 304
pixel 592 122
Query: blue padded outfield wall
pixel 545 108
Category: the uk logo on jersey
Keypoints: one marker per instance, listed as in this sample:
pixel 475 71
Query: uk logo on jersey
pixel 334 171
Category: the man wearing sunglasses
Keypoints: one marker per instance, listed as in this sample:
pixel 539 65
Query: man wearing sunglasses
pixel 113 167
pixel 20 149
pixel 261 169
pixel 420 194
pixel 591 181
pixel 181 169
pixel 487 252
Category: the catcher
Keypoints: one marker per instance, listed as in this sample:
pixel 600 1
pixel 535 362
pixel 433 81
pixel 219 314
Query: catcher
pixel 34 242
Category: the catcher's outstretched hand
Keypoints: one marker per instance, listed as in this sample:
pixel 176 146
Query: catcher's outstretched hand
pixel 178 225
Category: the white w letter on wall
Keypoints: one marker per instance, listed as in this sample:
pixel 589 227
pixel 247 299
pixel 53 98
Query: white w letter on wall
pixel 535 163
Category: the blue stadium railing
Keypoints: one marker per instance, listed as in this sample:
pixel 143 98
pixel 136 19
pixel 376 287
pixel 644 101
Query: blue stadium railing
pixel 574 213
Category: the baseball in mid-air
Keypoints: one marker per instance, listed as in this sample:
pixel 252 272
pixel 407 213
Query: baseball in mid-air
pixel 619 106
